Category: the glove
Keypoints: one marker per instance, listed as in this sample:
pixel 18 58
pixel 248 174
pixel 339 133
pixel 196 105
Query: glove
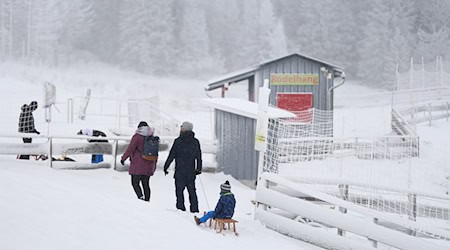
pixel 166 172
pixel 122 162
pixel 197 172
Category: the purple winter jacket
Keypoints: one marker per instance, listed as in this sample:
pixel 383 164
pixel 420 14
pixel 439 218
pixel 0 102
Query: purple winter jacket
pixel 139 166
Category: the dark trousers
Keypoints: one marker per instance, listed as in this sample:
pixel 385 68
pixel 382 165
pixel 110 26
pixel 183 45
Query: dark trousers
pixel 180 184
pixel 144 179
pixel 26 140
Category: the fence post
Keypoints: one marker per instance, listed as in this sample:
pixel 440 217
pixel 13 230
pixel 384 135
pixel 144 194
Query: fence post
pixel 386 149
pixel 343 190
pixel 446 105
pixel 374 242
pixel 372 153
pixel 430 117
pixel 114 153
pixel 70 110
pixel 412 210
pixel 265 184
pixel 50 152
pixel 440 78
pixel 448 185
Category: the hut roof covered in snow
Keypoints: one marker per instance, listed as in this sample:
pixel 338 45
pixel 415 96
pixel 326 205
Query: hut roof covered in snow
pixel 245 108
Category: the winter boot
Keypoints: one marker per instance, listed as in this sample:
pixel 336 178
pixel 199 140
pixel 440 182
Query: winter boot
pixel 197 220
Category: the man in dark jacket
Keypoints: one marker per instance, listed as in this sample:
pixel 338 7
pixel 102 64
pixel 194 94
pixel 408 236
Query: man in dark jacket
pixel 26 123
pixel 186 151
pixel 224 208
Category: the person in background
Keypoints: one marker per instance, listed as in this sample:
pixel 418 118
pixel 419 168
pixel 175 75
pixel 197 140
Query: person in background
pixel 185 151
pixel 224 208
pixel 140 169
pixel 93 133
pixel 26 123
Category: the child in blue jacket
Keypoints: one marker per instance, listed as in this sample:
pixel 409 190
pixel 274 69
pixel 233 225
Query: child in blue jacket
pixel 224 208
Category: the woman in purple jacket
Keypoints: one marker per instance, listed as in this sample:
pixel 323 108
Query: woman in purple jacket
pixel 140 169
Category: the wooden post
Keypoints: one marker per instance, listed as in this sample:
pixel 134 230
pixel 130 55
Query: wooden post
pixel 412 210
pixel 70 110
pixel 448 185
pixel 265 184
pixel 430 117
pixel 50 153
pixel 386 149
pixel 251 89
pixel 114 153
pixel 224 89
pixel 446 108
pixel 311 155
pixel 372 153
pixel 374 242
pixel 440 78
pixel 120 113
pixel 343 190
pixel 395 86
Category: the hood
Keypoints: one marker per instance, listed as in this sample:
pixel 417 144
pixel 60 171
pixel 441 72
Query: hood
pixel 25 108
pixel 87 131
pixel 144 131
pixel 33 105
pixel 187 135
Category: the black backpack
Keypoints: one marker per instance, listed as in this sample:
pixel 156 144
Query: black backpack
pixel 151 148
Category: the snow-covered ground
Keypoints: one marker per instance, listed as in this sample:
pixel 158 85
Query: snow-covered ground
pixel 43 208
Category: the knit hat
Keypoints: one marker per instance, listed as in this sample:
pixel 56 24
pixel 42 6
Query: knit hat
pixel 225 187
pixel 187 126
pixel 142 124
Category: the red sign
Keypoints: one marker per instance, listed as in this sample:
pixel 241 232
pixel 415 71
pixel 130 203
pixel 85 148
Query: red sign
pixel 298 103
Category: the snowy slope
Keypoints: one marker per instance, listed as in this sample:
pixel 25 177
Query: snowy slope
pixel 42 208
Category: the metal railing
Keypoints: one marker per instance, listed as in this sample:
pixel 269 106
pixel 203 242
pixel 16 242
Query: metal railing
pixel 50 147
pixel 426 112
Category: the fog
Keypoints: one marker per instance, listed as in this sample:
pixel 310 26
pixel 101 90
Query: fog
pixel 203 38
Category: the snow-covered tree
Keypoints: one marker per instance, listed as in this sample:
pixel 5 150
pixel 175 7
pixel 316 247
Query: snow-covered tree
pixel 145 32
pixel 271 38
pixel 18 13
pixel 311 31
pixel 278 41
pixel 105 35
pixel 433 29
pixel 77 20
pixel 224 29
pixel 343 33
pixel 44 31
pixel 193 47
pixel 245 32
pixel 366 37
pixel 385 41
pixel 5 28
